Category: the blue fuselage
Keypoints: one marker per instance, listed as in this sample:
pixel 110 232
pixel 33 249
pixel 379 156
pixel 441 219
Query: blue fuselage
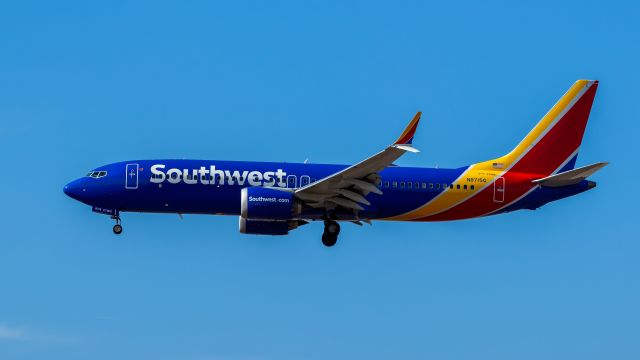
pixel 214 187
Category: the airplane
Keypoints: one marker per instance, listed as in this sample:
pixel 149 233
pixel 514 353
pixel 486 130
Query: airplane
pixel 273 198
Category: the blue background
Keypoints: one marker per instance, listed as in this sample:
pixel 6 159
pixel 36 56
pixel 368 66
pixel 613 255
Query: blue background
pixel 88 83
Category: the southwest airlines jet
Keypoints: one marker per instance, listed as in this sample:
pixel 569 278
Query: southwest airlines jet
pixel 273 198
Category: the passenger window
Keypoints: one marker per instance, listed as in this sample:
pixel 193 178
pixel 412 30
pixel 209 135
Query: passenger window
pixel 450 186
pixel 444 186
pixel 430 185
pixel 402 184
pixel 395 184
pixel 465 187
pixel 473 187
pixel 458 186
pixel 424 185
pixel 409 185
pixel 438 186
pixel 386 184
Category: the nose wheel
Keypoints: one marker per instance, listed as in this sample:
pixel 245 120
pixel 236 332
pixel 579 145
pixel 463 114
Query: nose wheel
pixel 117 228
pixel 331 231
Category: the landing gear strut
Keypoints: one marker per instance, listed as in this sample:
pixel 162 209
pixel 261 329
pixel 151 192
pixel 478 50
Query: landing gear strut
pixel 117 228
pixel 331 231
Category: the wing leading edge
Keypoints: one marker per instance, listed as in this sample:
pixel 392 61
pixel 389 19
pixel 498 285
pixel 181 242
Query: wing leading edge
pixel 347 188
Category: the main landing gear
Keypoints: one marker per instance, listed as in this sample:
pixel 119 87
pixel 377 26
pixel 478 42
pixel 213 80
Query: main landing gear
pixel 117 228
pixel 331 231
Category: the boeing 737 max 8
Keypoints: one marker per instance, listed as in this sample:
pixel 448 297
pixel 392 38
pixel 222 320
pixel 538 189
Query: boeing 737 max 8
pixel 273 198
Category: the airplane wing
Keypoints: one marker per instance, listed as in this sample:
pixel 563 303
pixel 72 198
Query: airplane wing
pixel 347 188
pixel 570 177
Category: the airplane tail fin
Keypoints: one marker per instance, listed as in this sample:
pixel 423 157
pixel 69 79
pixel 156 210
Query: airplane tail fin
pixel 552 145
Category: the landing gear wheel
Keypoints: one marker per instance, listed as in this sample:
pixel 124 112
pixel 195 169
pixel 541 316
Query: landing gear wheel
pixel 331 231
pixel 331 227
pixel 117 228
pixel 329 240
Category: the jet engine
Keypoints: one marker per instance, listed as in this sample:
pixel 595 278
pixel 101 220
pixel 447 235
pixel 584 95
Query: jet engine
pixel 261 203
pixel 268 211
pixel 267 227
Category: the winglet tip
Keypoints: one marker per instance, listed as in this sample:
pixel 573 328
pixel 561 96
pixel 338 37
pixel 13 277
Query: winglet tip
pixel 407 135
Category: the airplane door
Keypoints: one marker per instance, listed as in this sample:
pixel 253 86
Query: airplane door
pixel 304 180
pixel 292 181
pixel 498 190
pixel 131 176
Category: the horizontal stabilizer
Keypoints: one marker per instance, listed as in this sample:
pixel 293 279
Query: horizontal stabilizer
pixel 570 177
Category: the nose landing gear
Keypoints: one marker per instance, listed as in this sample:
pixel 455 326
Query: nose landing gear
pixel 331 231
pixel 117 228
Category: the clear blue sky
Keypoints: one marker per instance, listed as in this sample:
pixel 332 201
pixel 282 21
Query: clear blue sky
pixel 88 83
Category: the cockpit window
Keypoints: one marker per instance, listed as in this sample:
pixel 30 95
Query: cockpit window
pixel 97 174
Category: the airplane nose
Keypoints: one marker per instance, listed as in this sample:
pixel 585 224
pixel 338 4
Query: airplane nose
pixel 75 189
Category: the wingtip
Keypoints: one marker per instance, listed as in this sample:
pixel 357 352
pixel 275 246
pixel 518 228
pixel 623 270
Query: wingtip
pixel 409 131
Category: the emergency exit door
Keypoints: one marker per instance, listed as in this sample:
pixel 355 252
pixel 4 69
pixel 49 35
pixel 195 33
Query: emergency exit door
pixel 131 176
pixel 498 190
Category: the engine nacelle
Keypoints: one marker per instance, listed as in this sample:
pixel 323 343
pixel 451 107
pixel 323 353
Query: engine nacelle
pixel 266 227
pixel 262 203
